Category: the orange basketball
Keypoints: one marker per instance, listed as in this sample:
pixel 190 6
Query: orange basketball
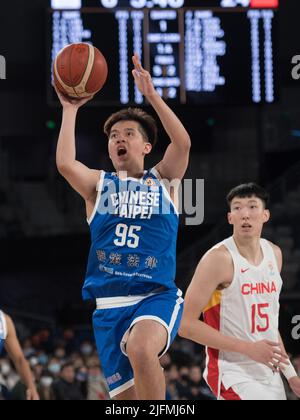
pixel 80 70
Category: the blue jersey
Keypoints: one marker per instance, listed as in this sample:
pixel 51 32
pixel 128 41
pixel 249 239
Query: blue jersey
pixel 3 331
pixel 134 230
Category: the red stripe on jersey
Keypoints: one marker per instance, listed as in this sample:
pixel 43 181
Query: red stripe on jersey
pixel 212 318
pixel 229 394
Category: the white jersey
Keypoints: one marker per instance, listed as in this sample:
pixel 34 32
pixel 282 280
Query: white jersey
pixel 248 310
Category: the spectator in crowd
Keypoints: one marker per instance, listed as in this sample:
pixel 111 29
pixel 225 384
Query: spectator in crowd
pixel 54 366
pixel 66 387
pixel 4 393
pixel 82 379
pixel 45 386
pixel 97 386
pixel 198 387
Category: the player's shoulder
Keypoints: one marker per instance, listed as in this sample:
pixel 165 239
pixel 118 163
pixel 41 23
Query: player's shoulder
pixel 277 250
pixel 156 172
pixel 218 257
pixel 217 266
pixel 10 326
pixel 278 254
pixel 95 176
pixel 96 173
pixel 7 318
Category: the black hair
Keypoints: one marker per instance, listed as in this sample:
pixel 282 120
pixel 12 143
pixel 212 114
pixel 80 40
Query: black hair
pixel 146 121
pixel 249 190
pixel 66 366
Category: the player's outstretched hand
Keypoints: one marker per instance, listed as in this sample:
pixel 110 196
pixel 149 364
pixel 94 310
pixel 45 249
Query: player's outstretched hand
pixel 295 385
pixel 268 353
pixel 68 102
pixel 142 78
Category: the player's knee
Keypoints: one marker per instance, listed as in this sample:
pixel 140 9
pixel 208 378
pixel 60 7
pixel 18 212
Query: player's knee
pixel 140 352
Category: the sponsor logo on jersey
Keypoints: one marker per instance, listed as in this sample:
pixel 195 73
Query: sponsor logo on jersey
pixel 150 182
pixel 106 269
pixel 114 378
pixel 271 268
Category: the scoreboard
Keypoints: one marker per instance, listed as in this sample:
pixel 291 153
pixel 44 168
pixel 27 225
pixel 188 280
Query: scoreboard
pixel 199 52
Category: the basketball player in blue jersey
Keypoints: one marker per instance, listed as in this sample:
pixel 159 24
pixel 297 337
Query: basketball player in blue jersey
pixel 134 223
pixel 10 342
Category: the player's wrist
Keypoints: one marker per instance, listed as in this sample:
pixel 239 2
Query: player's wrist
pixel 289 372
pixel 154 96
pixel 244 348
pixel 70 109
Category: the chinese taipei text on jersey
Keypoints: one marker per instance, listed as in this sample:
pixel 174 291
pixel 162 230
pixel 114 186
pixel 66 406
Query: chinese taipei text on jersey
pixel 131 268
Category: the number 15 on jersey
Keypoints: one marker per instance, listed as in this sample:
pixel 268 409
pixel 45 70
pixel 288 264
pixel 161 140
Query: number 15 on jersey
pixel 260 318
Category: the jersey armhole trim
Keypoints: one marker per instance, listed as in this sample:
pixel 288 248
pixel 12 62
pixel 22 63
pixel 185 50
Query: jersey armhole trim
pixel 269 249
pixel 99 188
pixel 4 324
pixel 236 268
pixel 155 172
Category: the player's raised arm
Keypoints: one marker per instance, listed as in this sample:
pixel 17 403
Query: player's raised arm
pixel 79 176
pixel 175 162
pixel 214 270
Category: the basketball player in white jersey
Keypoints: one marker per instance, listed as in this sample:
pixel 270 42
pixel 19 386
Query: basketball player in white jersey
pixel 9 341
pixel 237 286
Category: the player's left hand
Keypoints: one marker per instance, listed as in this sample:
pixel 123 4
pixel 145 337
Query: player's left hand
pixel 142 78
pixel 32 395
pixel 295 385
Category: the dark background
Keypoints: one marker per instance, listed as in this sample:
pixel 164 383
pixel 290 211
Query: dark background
pixel 44 239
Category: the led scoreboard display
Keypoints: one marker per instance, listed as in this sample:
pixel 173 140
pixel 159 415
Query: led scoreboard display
pixel 197 51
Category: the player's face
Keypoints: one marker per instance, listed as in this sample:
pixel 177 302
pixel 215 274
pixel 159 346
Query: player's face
pixel 127 145
pixel 248 215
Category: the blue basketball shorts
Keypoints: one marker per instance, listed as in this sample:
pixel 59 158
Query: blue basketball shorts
pixel 113 320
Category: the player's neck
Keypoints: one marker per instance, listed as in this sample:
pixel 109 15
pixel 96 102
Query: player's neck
pixel 250 248
pixel 136 172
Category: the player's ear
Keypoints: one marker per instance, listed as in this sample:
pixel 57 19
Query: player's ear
pixel 229 217
pixel 267 216
pixel 147 148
